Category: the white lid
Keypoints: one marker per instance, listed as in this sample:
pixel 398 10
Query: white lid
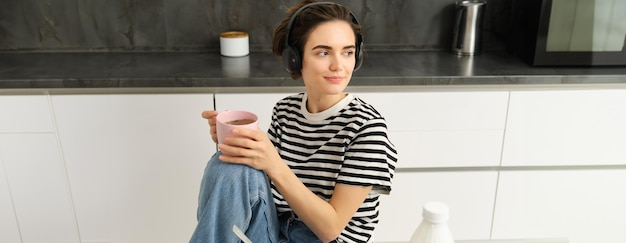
pixel 435 212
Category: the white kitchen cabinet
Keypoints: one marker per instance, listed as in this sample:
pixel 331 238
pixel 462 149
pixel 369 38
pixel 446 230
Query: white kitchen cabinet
pixel 470 196
pixel 446 148
pixel 444 129
pixel 85 131
pixel 9 231
pixel 36 203
pixel 434 111
pixel 582 205
pixel 566 127
pixel 127 168
pixel 25 113
pixel 39 188
pixel 135 163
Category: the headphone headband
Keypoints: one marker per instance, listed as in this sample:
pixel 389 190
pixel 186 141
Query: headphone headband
pixel 291 55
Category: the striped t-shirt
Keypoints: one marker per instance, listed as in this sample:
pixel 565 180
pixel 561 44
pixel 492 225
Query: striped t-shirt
pixel 345 144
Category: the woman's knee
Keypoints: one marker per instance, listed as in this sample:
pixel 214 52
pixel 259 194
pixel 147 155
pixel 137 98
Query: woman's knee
pixel 236 173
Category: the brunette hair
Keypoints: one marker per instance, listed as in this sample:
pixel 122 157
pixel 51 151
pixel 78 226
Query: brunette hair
pixel 302 25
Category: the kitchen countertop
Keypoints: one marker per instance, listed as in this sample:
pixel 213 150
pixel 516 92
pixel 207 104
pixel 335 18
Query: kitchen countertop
pixel 42 70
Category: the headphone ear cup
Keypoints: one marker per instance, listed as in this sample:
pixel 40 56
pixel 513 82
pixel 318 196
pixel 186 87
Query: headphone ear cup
pixel 358 56
pixel 291 59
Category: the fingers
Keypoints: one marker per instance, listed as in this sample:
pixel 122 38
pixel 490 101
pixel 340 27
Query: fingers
pixel 232 150
pixel 239 155
pixel 214 133
pixel 250 147
pixel 242 141
pixel 253 134
pixel 237 142
pixel 209 114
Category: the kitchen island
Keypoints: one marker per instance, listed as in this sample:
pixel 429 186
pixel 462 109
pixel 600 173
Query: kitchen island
pixel 110 147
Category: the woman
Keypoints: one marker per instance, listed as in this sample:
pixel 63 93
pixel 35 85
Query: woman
pixel 316 176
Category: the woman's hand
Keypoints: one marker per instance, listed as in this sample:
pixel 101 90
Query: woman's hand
pixel 247 146
pixel 252 148
pixel 210 115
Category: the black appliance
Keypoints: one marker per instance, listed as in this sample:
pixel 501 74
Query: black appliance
pixel 568 32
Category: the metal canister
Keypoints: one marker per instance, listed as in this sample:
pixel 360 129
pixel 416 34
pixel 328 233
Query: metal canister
pixel 467 32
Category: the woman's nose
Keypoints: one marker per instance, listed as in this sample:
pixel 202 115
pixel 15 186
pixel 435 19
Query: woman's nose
pixel 336 63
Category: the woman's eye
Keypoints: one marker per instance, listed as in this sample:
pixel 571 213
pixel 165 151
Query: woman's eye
pixel 348 53
pixel 322 53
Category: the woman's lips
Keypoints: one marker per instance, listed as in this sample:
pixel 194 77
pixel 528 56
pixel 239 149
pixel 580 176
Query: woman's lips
pixel 334 79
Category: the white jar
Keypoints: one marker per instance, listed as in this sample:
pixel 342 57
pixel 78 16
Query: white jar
pixel 234 44
pixel 434 226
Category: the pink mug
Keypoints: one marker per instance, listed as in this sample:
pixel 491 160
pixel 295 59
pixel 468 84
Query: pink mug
pixel 226 121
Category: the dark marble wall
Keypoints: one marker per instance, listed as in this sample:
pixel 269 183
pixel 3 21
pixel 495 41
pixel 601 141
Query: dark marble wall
pixel 105 25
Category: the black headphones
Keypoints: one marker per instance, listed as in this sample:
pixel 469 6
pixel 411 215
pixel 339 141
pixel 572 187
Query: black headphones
pixel 291 56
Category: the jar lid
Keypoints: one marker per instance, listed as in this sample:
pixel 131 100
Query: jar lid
pixel 435 212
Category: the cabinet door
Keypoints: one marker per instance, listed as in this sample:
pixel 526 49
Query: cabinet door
pixel 36 184
pixel 135 163
pixel 470 196
pixel 573 127
pixel 25 113
pixel 85 131
pixel 582 205
pixel 39 189
pixel 260 104
pixel 444 129
pixel 9 232
pixel 460 148
pixel 161 146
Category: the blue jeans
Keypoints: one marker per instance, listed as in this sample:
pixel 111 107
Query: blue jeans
pixel 232 194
